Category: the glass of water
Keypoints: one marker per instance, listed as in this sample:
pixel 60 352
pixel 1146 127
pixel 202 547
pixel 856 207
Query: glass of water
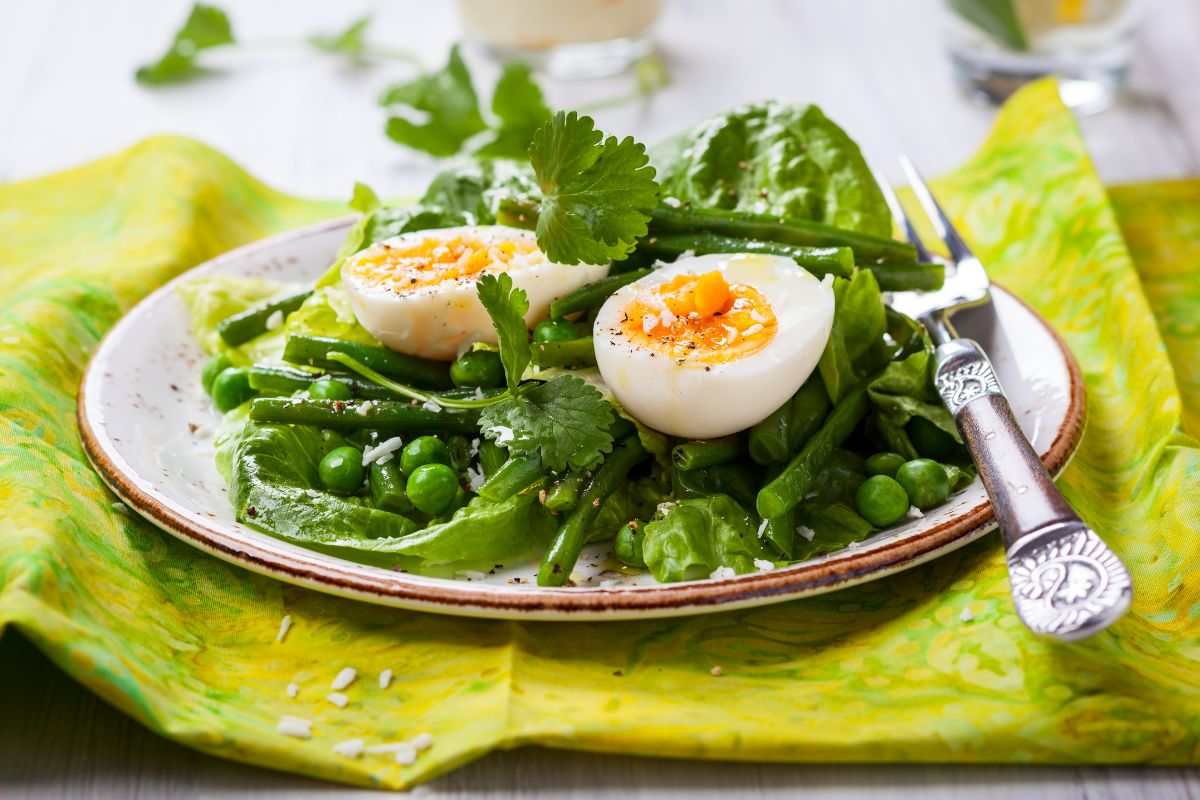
pixel 997 46
pixel 565 38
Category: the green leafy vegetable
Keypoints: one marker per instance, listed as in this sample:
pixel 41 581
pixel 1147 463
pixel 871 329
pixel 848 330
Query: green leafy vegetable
pixel 484 533
pixel 597 193
pixel 565 420
pixel 778 159
pixel 696 537
pixel 520 107
pixel 275 486
pixel 507 306
pixel 206 27
pixel 437 112
pixel 904 390
pixel 352 41
pixel 364 198
pixel 858 323
pixel 832 527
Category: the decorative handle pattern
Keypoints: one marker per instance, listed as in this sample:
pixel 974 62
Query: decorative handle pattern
pixel 1065 581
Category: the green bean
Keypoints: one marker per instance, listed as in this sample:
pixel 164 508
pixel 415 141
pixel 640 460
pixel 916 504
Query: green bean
pixel 780 532
pixel 706 453
pixel 572 535
pixel 386 416
pixel 315 350
pixel 585 298
pixel 255 321
pixel 517 474
pixel 820 261
pixel 387 488
pixel 491 457
pixel 902 277
pixel 564 494
pixel 779 436
pixel 790 486
pixel 571 353
pixel 778 229
pixel 276 380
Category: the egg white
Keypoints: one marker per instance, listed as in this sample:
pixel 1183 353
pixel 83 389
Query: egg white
pixel 689 401
pixel 441 320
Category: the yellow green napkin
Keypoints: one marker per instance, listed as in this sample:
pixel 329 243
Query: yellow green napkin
pixel 928 665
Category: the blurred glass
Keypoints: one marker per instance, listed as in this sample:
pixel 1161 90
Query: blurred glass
pixel 997 46
pixel 566 38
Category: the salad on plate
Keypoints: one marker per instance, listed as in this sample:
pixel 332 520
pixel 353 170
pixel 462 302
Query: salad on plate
pixel 684 356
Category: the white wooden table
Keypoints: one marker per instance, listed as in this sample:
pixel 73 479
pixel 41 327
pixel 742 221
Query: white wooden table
pixel 309 125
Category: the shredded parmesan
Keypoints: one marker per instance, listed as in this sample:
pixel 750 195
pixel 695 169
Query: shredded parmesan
pixel 805 532
pixel 385 679
pixel 422 741
pixel 296 727
pixel 285 625
pixel 365 407
pixel 385 448
pixel 721 573
pixel 429 405
pixel 293 689
pixel 762 526
pixel 338 699
pixel 763 565
pixel 344 678
pixel 274 320
pixel 914 513
pixel 966 615
pixel 351 748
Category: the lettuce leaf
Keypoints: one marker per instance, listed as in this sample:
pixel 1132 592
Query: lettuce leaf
pixel 833 527
pixel 695 537
pixel 859 322
pixel 779 159
pixel 904 390
pixel 211 299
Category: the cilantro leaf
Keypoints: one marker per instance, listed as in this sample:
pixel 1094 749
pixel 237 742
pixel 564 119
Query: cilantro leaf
pixel 565 420
pixel 206 27
pixel 507 307
pixel 445 105
pixel 364 198
pixel 520 106
pixel 351 41
pixel 596 193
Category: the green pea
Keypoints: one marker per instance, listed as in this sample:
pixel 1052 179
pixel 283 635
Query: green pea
pixel 231 388
pixel 432 488
pixel 555 330
pixel 884 464
pixel 930 440
pixel 212 368
pixel 925 481
pixel 881 500
pixel 329 389
pixel 341 470
pixel 421 451
pixel 628 546
pixel 481 368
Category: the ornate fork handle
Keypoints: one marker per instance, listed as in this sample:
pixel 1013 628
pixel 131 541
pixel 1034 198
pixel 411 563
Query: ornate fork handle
pixel 1065 581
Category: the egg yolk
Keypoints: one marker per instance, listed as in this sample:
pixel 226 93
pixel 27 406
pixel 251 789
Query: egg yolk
pixel 700 318
pixel 432 261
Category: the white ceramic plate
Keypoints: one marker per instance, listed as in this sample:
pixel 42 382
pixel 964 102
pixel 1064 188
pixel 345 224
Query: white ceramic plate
pixel 147 426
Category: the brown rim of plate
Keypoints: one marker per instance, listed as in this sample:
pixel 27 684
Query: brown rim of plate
pixel 839 569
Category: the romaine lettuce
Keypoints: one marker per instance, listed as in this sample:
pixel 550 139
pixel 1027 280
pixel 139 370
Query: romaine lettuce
pixel 696 537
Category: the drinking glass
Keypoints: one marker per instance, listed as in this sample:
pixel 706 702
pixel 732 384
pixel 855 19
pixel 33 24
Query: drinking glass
pixel 997 46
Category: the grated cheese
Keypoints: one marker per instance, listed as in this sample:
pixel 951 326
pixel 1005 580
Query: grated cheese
pixel 431 406
pixel 721 573
pixel 274 320
pixel 966 615
pixel 351 748
pixel 385 448
pixel 762 526
pixel 338 699
pixel 914 513
pixel 344 678
pixel 292 690
pixel 806 532
pixel 296 727
pixel 365 408
pixel 385 679
pixel 763 565
pixel 285 625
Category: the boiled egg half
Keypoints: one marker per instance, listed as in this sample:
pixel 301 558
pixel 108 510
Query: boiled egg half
pixel 416 294
pixel 710 345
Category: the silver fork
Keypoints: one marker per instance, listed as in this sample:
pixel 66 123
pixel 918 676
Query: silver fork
pixel 1066 583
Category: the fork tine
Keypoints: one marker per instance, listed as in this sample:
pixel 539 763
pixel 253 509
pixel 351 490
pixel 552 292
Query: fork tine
pixel 941 223
pixel 898 213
